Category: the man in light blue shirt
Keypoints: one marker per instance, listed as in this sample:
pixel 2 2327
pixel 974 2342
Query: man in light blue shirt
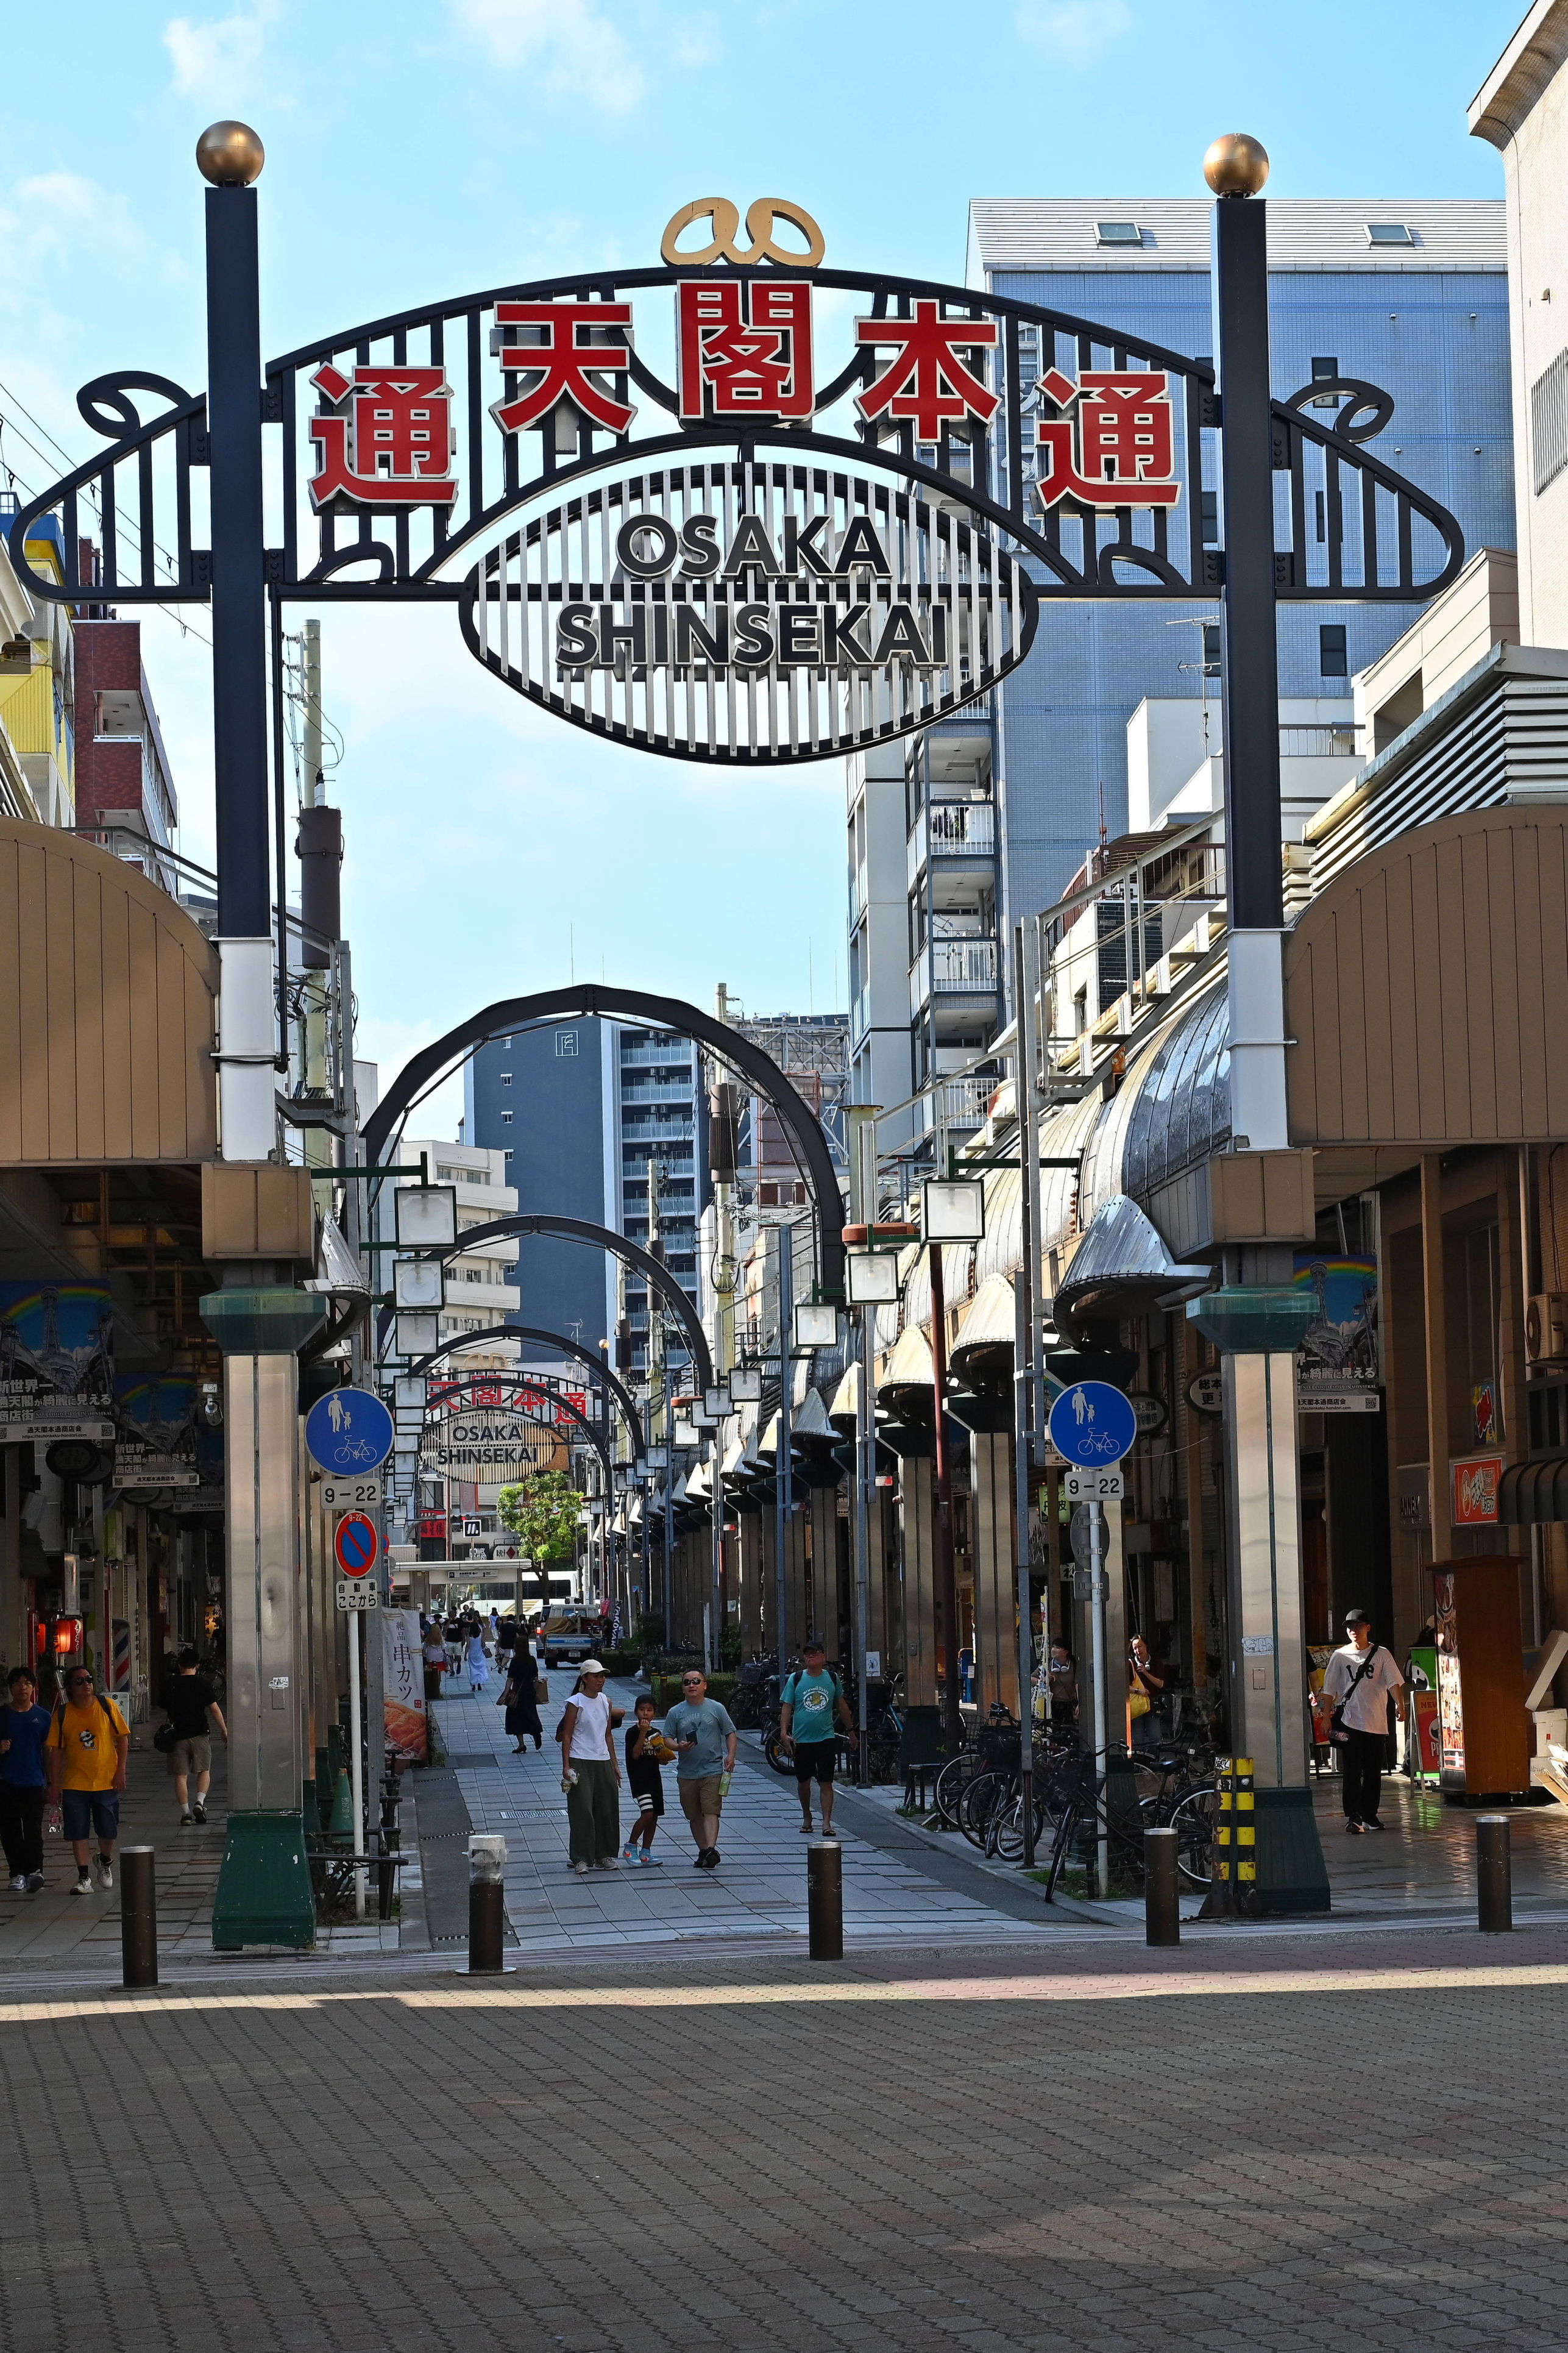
pixel 704 1740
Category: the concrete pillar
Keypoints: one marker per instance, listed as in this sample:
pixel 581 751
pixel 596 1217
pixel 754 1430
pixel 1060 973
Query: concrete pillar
pixel 917 1578
pixel 796 1627
pixel 821 1516
pixel 996 1573
pixel 748 1570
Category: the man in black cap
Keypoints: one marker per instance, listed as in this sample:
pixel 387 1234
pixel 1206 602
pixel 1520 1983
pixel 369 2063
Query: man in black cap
pixel 1357 1682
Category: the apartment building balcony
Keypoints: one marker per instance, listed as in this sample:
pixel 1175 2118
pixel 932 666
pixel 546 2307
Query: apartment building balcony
pixel 954 832
pixel 962 967
pixel 657 1091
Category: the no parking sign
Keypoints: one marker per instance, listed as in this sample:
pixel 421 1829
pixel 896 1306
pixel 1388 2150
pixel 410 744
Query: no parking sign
pixel 356 1543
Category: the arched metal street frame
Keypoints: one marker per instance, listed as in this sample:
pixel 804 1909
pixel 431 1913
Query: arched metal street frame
pixel 594 1436
pixel 588 1357
pixel 578 1229
pixel 598 997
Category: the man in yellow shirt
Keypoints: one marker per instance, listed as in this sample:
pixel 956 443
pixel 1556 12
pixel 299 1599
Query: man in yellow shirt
pixel 88 1744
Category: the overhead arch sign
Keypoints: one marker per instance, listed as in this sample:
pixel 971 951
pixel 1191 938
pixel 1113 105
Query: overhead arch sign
pixel 740 507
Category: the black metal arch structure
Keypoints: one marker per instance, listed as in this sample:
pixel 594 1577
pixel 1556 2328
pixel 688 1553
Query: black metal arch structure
pixel 598 997
pixel 594 1437
pixel 579 1229
pixel 141 480
pixel 614 1393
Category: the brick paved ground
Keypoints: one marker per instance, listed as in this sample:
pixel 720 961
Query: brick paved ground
pixel 1317 2145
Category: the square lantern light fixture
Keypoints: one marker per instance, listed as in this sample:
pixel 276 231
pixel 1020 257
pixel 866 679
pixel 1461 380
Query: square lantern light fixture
pixel 686 1433
pixel 746 1385
pixel 418 1282
pixel 873 1278
pixel 816 1326
pixel 408 1393
pixel 417 1335
pixel 952 1209
pixel 426 1216
pixel 716 1406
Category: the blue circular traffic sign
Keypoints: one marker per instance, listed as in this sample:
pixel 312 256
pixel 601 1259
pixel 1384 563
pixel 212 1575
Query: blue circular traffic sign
pixel 349 1430
pixel 356 1545
pixel 1093 1424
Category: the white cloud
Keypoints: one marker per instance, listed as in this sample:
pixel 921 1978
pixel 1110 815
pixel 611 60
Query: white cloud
pixel 696 43
pixel 1076 31
pixel 576 53
pixel 217 60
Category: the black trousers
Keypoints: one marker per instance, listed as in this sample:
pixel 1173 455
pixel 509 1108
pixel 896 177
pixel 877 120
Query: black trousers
pixel 22 1830
pixel 1361 1771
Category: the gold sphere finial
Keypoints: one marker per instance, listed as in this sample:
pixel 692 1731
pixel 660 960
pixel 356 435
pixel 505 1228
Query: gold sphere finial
pixel 1236 165
pixel 230 154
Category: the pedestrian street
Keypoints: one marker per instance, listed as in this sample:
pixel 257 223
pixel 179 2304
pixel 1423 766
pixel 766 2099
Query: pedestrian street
pixel 758 1892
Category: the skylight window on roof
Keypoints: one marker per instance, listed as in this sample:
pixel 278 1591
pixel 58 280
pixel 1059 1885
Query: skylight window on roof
pixel 1118 233
pixel 1389 233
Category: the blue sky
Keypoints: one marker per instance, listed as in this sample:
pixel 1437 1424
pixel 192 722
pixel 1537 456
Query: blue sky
pixel 419 151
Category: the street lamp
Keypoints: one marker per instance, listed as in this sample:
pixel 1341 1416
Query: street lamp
pixel 746 1385
pixel 426 1216
pixel 952 1209
pixel 716 1405
pixel 816 1326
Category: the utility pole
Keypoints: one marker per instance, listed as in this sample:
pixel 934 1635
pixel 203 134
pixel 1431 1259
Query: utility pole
pixel 783 1473
pixel 665 1420
pixel 862 1126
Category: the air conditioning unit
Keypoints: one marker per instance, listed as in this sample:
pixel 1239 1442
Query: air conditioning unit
pixel 1546 1328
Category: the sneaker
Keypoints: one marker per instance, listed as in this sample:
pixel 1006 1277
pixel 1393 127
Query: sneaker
pixel 19 1884
pixel 581 1869
pixel 710 1862
pixel 84 1883
pixel 628 1853
pixel 199 1814
pixel 647 1859
pixel 34 1882
pixel 105 1870
pixel 1372 1823
pixel 1354 1828
pixel 607 1863
pixel 185 1820
pixel 700 1862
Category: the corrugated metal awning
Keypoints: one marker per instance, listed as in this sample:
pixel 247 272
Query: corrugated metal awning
pixel 1533 1494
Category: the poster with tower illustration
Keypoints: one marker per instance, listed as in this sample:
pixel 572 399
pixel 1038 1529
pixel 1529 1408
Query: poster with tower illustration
pixel 56 1361
pixel 1340 1368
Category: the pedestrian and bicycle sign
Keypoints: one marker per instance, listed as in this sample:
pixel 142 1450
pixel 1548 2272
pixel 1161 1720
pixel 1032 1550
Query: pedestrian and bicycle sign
pixel 349 1431
pixel 1093 1425
pixel 356 1543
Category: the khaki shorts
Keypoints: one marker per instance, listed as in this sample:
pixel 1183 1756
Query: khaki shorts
pixel 190 1756
pixel 700 1797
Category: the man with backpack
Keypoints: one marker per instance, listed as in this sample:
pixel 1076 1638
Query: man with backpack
pixel 87 1749
pixel 1357 1682
pixel 811 1703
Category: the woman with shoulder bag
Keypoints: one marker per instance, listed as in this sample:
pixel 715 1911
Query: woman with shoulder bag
pixel 1357 1684
pixel 520 1701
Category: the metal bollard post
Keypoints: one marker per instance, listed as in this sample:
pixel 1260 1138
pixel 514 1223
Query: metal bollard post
pixel 486 1906
pixel 1494 1874
pixel 1162 1912
pixel 825 1899
pixel 138 1917
pixel 384 1877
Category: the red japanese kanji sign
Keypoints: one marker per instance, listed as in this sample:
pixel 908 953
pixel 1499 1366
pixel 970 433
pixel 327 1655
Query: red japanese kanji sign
pixel 384 438
pixel 743 349
pixel 927 384
pixel 561 361
pixel 1127 450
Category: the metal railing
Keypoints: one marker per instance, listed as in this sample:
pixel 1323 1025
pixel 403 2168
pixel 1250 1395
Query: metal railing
pixel 963 964
pixel 961 829
pixel 964 1101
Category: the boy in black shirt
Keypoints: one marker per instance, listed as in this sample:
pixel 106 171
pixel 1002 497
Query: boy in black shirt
pixel 645 1782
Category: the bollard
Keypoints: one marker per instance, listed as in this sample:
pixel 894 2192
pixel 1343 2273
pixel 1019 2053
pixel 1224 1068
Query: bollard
pixel 384 1877
pixel 1494 1876
pixel 486 1906
pixel 825 1899
pixel 1162 1912
pixel 138 1917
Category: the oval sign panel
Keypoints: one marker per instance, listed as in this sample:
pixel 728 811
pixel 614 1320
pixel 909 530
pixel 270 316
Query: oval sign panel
pixel 750 613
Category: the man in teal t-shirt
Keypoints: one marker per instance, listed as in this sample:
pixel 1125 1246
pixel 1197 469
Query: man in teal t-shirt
pixel 809 1703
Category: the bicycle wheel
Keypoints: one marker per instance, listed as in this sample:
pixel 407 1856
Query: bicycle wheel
pixel 1008 1833
pixel 776 1756
pixel 974 1807
pixel 1192 1822
pixel 951 1782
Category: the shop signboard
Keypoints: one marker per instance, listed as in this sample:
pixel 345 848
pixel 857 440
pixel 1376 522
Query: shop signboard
pixel 1205 1394
pixel 494 1447
pixel 56 1362
pixel 402 1675
pixel 1474 1480
pixel 1337 1369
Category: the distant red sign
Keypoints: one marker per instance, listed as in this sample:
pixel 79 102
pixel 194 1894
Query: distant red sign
pixel 1475 1484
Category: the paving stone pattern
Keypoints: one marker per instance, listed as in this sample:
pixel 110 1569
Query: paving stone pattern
pixel 1043 2149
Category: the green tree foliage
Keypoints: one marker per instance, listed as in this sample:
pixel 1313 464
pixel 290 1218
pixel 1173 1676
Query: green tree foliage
pixel 543 1512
